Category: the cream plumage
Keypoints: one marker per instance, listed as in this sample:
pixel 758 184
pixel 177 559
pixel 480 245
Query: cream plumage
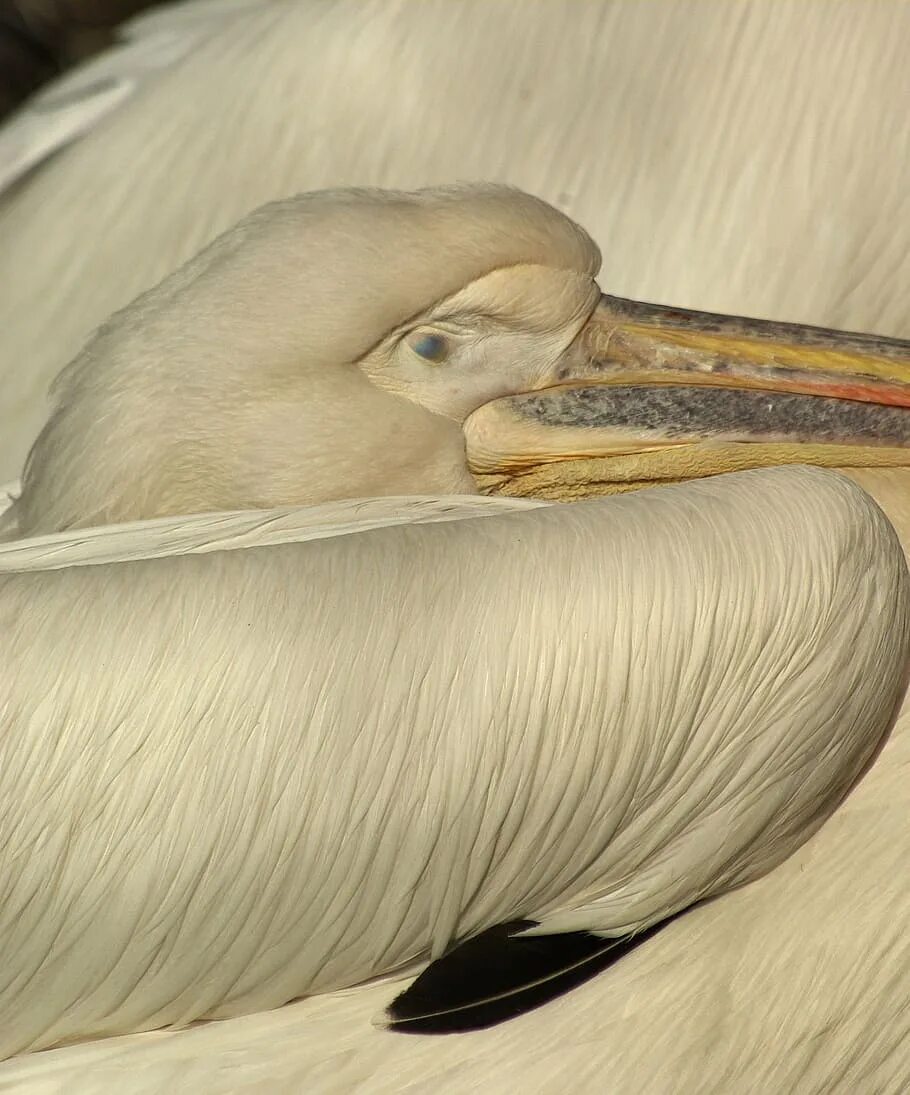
pixel 319 349
pixel 784 563
pixel 558 716
pixel 312 370
pixel 743 157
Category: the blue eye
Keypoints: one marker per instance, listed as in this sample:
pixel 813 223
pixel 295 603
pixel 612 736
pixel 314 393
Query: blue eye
pixel 431 347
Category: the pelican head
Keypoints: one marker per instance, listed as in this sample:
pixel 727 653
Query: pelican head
pixel 360 343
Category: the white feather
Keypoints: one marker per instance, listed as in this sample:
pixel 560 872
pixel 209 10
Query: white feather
pixel 592 715
pixel 743 157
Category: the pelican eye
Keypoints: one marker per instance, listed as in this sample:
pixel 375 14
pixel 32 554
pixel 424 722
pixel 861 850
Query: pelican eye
pixel 429 345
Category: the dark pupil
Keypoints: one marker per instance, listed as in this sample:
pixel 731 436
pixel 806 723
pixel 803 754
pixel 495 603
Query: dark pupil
pixel 431 347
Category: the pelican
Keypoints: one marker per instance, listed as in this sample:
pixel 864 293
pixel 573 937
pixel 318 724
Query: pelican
pixel 261 341
pixel 334 379
pixel 743 157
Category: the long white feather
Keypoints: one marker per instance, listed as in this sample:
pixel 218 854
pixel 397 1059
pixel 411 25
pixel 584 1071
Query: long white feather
pixel 234 778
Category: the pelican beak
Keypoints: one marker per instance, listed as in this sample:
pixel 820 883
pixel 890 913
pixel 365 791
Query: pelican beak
pixel 649 394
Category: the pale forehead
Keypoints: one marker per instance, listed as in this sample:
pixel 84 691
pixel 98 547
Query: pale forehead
pixel 366 262
pixel 487 224
pixel 323 277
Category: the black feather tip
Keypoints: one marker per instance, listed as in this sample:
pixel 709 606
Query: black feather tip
pixel 500 974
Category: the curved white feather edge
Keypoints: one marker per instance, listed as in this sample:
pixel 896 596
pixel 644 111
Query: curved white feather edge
pixel 228 531
pixel 74 104
pixel 717 956
pixel 659 1013
pixel 828 489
